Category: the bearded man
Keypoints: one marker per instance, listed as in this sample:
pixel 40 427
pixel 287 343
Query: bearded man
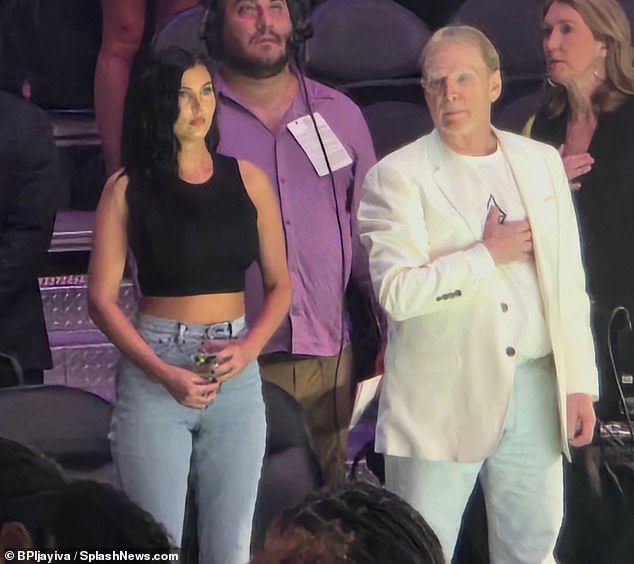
pixel 268 115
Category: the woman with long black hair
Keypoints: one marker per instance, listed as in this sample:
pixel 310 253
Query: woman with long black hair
pixel 194 220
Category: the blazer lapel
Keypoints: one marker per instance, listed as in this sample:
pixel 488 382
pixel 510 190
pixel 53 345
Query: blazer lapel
pixel 535 188
pixel 451 184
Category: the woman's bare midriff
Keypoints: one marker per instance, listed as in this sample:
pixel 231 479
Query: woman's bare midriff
pixel 202 309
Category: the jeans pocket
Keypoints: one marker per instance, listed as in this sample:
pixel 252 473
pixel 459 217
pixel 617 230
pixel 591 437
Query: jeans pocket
pixel 163 344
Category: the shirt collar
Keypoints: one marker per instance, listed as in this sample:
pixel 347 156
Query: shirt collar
pixel 316 90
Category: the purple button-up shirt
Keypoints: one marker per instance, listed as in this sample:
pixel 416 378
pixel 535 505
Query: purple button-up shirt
pixel 313 242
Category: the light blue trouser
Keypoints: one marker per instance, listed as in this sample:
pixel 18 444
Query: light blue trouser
pixel 522 479
pixel 156 443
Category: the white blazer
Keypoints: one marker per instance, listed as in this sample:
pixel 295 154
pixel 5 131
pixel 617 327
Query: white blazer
pixel 448 376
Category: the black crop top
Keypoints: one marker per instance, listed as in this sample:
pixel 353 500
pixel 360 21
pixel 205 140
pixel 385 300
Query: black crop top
pixel 202 241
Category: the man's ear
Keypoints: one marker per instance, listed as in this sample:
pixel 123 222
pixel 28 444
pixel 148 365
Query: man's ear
pixel 14 536
pixel 495 85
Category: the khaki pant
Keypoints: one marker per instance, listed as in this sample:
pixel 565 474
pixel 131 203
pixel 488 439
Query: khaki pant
pixel 312 381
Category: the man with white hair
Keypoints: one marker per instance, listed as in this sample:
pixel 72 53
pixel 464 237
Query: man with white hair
pixel 474 254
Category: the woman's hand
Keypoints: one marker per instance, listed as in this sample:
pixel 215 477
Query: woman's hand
pixel 232 358
pixel 575 166
pixel 188 388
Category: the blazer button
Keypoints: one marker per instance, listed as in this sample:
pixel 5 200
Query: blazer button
pixel 510 351
pixel 505 307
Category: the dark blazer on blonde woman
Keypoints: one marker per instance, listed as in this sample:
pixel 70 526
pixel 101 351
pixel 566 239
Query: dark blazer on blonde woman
pixel 605 201
pixel 605 212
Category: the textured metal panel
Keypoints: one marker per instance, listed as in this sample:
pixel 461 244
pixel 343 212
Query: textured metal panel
pixel 64 299
pixel 90 367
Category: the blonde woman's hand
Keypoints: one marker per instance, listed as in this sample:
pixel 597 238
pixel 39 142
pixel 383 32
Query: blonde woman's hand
pixel 575 166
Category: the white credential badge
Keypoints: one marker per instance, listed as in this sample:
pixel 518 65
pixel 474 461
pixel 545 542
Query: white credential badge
pixel 303 130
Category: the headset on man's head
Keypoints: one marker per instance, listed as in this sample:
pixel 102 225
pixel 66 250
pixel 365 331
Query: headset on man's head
pixel 211 30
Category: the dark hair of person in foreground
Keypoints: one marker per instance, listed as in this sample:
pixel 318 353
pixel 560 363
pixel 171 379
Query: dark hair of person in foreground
pixel 109 521
pixel 354 523
pixel 41 509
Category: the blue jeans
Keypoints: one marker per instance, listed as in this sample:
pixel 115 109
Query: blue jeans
pixel 157 443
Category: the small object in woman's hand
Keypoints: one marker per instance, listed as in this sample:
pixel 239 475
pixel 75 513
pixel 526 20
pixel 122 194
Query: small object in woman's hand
pixel 214 348
pixel 206 365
